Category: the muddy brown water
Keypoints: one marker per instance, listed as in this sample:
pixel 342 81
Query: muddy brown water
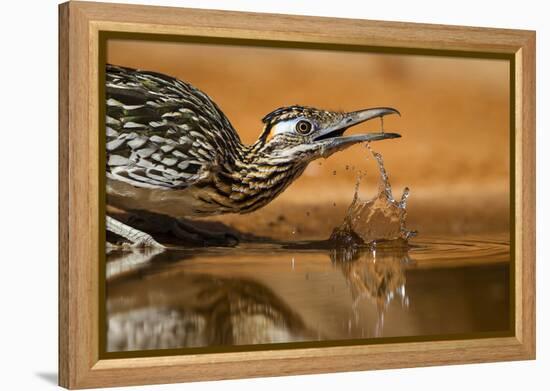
pixel 258 294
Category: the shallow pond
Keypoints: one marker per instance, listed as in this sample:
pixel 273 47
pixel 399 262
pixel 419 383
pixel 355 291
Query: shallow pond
pixel 256 294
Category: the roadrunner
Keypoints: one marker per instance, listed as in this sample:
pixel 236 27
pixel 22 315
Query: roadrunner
pixel 171 151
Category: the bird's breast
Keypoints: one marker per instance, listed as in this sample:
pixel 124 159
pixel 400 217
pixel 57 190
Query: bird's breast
pixel 187 202
pixel 213 196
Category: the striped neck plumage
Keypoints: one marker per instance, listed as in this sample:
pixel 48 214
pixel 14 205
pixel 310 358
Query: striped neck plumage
pixel 255 176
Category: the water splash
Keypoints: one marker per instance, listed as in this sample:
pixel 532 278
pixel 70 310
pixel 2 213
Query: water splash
pixel 376 219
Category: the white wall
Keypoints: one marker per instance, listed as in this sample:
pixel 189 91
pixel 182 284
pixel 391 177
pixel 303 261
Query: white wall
pixel 28 218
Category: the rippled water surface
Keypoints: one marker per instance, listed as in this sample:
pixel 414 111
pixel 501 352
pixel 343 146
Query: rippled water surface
pixel 283 293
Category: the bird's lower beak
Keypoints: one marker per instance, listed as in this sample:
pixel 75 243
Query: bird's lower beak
pixel 332 138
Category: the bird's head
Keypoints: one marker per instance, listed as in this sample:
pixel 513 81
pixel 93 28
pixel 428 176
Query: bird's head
pixel 299 134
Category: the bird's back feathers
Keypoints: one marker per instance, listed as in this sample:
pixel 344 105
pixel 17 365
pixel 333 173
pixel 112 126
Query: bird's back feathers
pixel 162 132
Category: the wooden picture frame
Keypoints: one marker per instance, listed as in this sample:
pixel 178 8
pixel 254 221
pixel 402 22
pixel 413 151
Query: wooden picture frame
pixel 80 240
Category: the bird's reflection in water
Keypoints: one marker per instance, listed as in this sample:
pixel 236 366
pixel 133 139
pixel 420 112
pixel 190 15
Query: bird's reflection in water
pixel 172 310
pixel 170 299
pixel 223 312
pixel 121 262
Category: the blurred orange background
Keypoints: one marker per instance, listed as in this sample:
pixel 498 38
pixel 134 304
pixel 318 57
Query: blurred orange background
pixel 454 153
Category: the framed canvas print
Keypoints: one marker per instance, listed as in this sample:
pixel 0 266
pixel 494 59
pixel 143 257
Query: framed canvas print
pixel 255 195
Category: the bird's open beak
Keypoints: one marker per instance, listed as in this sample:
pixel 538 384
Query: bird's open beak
pixel 332 138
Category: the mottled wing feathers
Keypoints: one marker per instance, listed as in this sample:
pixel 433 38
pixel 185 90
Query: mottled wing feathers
pixel 162 132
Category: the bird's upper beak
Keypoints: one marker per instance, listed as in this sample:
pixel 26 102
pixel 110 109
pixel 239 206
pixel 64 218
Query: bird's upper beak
pixel 331 138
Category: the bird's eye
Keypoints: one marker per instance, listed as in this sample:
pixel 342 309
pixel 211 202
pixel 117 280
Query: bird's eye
pixel 303 127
